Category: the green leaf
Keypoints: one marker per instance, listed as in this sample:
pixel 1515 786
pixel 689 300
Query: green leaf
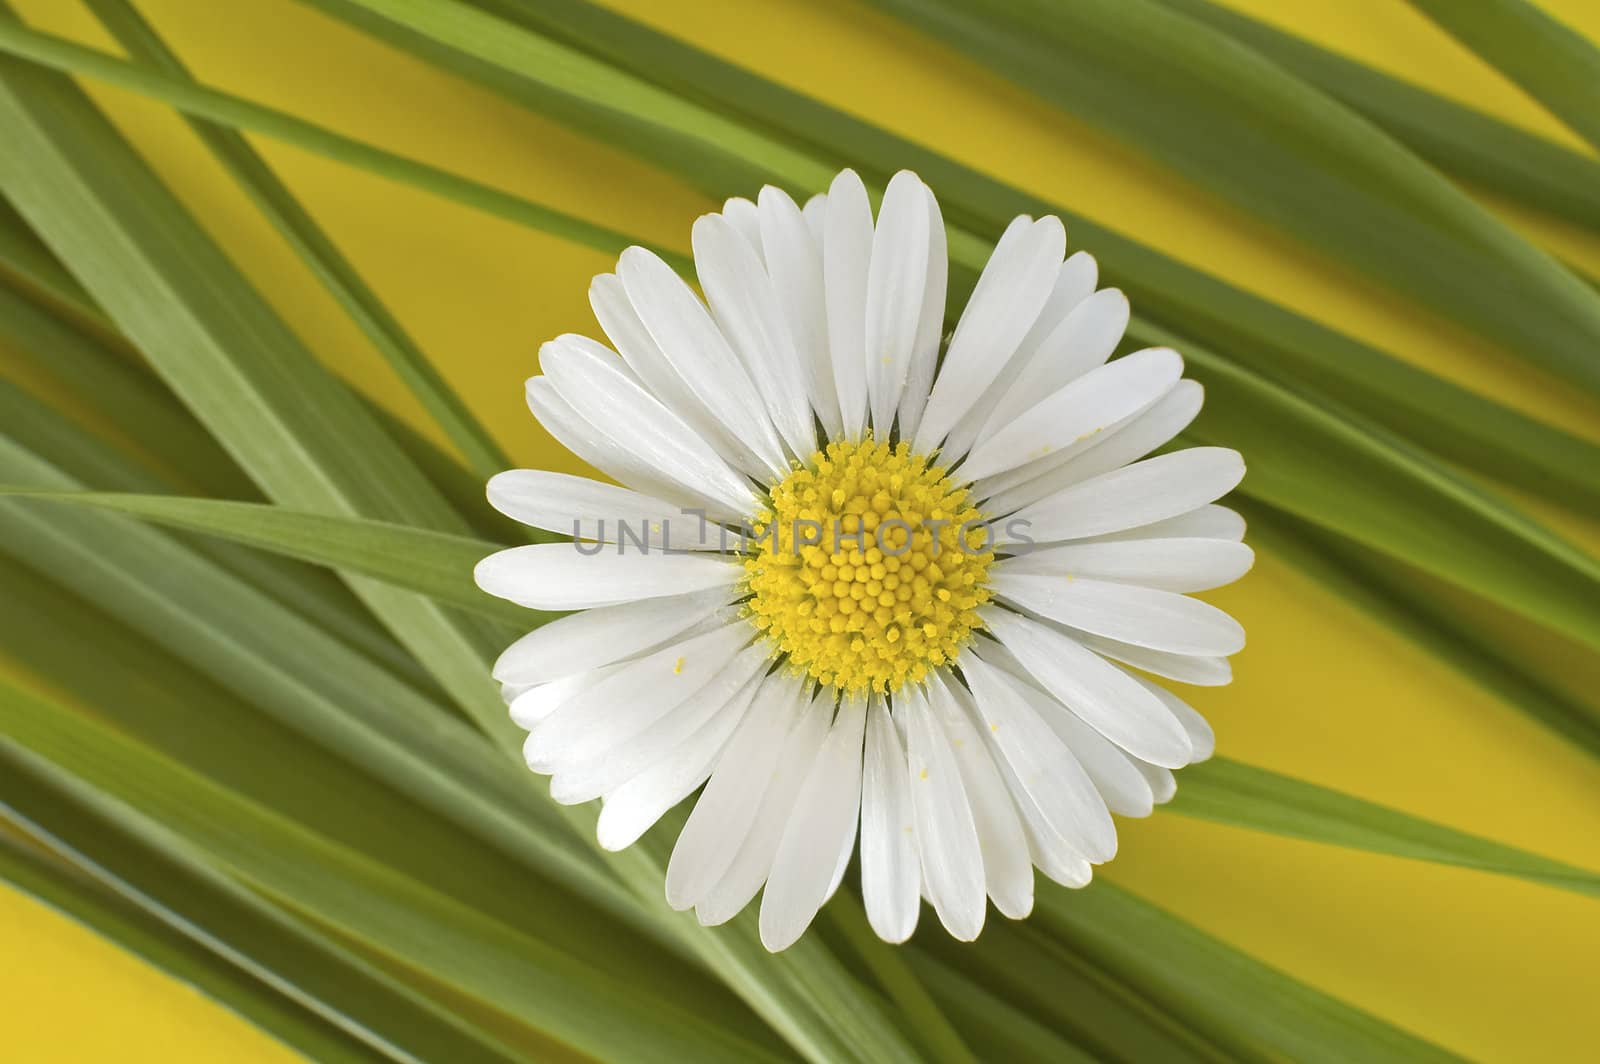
pixel 393 917
pixel 50 882
pixel 1189 975
pixel 1241 795
pixel 297 227
pixel 435 564
pixel 1465 142
pixel 1553 62
pixel 1225 117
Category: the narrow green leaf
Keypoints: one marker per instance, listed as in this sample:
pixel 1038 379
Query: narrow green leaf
pixel 297 227
pixel 1553 62
pixel 435 564
pixel 1241 795
pixel 393 917
pixel 1189 975
pixel 1227 118
pixel 1458 139
pixel 279 951
pixel 52 883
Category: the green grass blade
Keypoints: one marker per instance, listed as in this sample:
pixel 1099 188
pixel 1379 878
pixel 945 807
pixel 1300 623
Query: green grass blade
pixel 1553 62
pixel 279 951
pixel 52 883
pixel 1241 795
pixel 297 227
pixel 1227 118
pixel 1202 981
pixel 393 917
pixel 435 564
pixel 1467 143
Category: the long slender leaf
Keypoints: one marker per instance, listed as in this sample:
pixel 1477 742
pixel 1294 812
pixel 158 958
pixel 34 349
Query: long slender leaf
pixel 392 916
pixel 1552 61
pixel 1458 139
pixel 1225 117
pixel 1187 973
pixel 297 227
pixel 49 881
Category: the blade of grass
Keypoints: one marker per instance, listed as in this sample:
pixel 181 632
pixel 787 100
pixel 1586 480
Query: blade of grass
pixel 1204 982
pixel 52 883
pixel 279 951
pixel 392 916
pixel 1241 127
pixel 1553 62
pixel 1477 147
pixel 301 231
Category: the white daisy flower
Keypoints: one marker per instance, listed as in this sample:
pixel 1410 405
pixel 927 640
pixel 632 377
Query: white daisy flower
pixel 854 587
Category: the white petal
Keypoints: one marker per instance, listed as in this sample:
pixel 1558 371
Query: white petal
pixel 1125 442
pixel 846 262
pixel 1163 784
pixel 1042 763
pixel 1053 855
pixel 635 696
pixel 1199 729
pixel 554 576
pixel 1141 616
pixel 1125 791
pixel 897 277
pixel 1171 564
pixel 1205 522
pixel 603 513
pixel 1077 412
pixel 1103 696
pixel 1147 491
pixel 641 353
pixel 635 806
pixel 638 423
pixel 539 701
pixel 825 813
pixel 1082 342
pixel 597 637
pixel 723 815
pixel 582 438
pixel 947 835
pixel 930 328
pixel 816 215
pixel 583 779
pixel 742 214
pixel 1012 291
pixel 753 861
pixel 1198 671
pixel 1075 281
pixel 699 352
pixel 747 311
pixel 1007 867
pixel 794 261
pixel 891 875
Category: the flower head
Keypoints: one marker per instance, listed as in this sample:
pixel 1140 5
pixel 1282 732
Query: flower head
pixel 861 581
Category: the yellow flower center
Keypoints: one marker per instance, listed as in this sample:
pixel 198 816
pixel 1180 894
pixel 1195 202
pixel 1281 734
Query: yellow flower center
pixel 869 567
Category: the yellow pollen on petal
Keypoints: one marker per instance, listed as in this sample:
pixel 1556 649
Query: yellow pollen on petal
pixel 868 568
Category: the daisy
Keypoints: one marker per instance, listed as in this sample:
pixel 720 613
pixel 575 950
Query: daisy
pixel 860 582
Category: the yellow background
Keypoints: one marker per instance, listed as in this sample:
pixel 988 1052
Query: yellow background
pixel 1491 968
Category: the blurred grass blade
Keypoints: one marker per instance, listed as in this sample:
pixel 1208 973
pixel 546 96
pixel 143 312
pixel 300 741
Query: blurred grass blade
pixel 1203 981
pixel 435 564
pixel 297 227
pixel 312 447
pixel 283 953
pixel 1223 116
pixel 26 262
pixel 1241 795
pixel 1467 143
pixel 1553 62
pixel 397 919
pixel 50 882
